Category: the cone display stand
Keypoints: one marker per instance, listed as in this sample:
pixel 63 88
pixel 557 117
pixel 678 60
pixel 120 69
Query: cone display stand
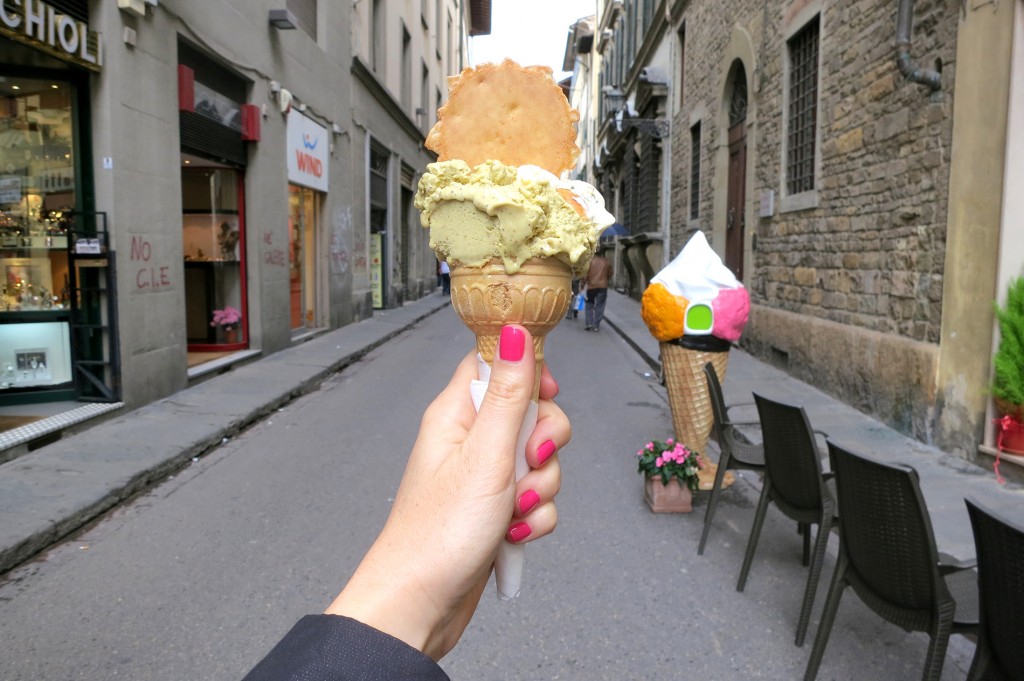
pixel 682 364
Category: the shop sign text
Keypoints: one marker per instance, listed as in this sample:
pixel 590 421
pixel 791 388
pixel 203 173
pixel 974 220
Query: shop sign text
pixel 308 152
pixel 37 23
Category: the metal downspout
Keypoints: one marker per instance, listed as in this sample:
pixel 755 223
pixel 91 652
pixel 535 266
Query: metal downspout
pixel 904 21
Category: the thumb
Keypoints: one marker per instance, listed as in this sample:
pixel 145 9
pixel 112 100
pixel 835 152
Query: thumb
pixel 508 392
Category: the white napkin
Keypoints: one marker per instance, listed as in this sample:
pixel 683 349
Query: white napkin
pixel 508 568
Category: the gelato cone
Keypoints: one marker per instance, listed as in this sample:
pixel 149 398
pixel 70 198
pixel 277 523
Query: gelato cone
pixel 487 298
pixel 513 232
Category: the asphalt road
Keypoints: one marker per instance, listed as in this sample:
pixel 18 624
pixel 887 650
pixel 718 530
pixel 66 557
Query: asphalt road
pixel 198 578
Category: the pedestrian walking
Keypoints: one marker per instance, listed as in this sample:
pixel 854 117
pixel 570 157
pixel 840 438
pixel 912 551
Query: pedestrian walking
pixel 597 290
pixel 575 302
pixel 446 278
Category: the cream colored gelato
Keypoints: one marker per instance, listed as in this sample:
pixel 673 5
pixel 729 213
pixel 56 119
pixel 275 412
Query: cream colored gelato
pixel 496 211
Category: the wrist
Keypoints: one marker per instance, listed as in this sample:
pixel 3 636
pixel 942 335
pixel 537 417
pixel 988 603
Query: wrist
pixel 385 608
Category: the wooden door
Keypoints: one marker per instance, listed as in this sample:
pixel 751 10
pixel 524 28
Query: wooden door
pixel 735 227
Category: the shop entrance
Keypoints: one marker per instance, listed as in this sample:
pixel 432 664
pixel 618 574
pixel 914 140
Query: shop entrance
pixel 213 234
pixel 303 218
pixel 39 190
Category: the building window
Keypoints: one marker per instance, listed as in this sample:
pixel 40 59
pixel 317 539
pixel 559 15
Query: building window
pixel 695 171
pixel 305 14
pixel 801 130
pixel 682 64
pixel 424 118
pixel 406 69
pixel 437 28
pixel 377 34
pixel 449 53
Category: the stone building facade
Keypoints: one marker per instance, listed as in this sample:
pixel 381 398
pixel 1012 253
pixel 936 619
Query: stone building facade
pixel 864 211
pixel 187 186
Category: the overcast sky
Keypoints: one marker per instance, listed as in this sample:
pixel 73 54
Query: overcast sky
pixel 530 32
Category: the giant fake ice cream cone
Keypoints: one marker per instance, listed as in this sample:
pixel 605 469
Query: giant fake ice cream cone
pixel 512 231
pixel 697 308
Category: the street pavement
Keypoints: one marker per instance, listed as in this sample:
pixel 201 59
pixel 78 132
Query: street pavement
pixel 611 570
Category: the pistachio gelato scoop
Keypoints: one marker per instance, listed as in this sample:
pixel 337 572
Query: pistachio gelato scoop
pixel 498 211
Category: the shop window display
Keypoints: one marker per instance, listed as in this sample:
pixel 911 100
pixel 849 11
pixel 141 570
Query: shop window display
pixel 212 236
pixel 37 196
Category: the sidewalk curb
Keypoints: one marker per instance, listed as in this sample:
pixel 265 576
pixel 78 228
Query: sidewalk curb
pixel 654 363
pixel 40 506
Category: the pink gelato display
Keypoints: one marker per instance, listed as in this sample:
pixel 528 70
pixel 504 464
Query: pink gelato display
pixel 731 309
pixel 713 308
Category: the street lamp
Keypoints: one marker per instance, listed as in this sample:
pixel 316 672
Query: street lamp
pixel 282 19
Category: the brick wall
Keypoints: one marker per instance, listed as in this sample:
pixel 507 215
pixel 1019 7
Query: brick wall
pixel 870 254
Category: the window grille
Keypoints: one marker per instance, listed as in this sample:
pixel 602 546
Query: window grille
pixel 648 182
pixel 695 171
pixel 803 109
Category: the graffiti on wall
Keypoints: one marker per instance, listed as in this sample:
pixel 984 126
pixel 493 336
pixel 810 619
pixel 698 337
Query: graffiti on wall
pixel 272 255
pixel 341 226
pixel 150 275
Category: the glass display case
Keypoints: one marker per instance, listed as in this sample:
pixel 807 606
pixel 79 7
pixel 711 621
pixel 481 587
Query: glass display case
pixel 37 197
pixel 213 241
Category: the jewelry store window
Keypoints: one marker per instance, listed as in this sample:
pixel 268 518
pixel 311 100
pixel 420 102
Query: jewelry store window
pixel 214 246
pixel 37 196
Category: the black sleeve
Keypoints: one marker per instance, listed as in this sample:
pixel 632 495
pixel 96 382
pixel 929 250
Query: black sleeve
pixel 333 648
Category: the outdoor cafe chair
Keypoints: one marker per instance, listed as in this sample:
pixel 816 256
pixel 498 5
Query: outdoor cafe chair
pixel 999 655
pixel 887 553
pixel 736 451
pixel 794 481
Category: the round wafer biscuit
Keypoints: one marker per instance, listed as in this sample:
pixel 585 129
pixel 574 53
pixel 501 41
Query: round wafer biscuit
pixel 506 112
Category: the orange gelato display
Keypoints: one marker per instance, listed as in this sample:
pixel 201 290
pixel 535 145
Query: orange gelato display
pixel 696 308
pixel 513 232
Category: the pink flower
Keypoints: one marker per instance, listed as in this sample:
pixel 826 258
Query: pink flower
pixel 669 441
pixel 650 446
pixel 658 462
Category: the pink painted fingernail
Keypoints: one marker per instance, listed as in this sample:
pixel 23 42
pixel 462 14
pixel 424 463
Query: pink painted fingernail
pixel 527 501
pixel 511 344
pixel 545 451
pixel 518 532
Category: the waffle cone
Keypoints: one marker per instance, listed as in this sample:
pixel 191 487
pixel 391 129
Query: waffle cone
pixel 487 298
pixel 688 397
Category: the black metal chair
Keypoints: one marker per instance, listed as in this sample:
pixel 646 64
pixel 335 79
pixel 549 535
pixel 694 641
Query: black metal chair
pixel 736 451
pixel 793 480
pixel 999 541
pixel 887 554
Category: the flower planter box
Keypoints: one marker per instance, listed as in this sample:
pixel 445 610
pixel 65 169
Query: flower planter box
pixel 674 497
pixel 1011 435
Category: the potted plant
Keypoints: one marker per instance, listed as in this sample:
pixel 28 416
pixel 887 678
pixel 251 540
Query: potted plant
pixel 1008 375
pixel 670 473
pixel 227 319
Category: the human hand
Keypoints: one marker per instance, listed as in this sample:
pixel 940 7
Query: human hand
pixel 422 579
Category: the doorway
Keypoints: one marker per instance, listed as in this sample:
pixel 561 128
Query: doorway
pixel 735 226
pixel 303 217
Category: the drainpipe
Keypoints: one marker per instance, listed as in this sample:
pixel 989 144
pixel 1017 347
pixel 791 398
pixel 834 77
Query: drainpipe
pixel 904 21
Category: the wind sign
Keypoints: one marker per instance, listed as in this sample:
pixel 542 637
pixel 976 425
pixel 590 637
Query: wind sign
pixel 308 152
